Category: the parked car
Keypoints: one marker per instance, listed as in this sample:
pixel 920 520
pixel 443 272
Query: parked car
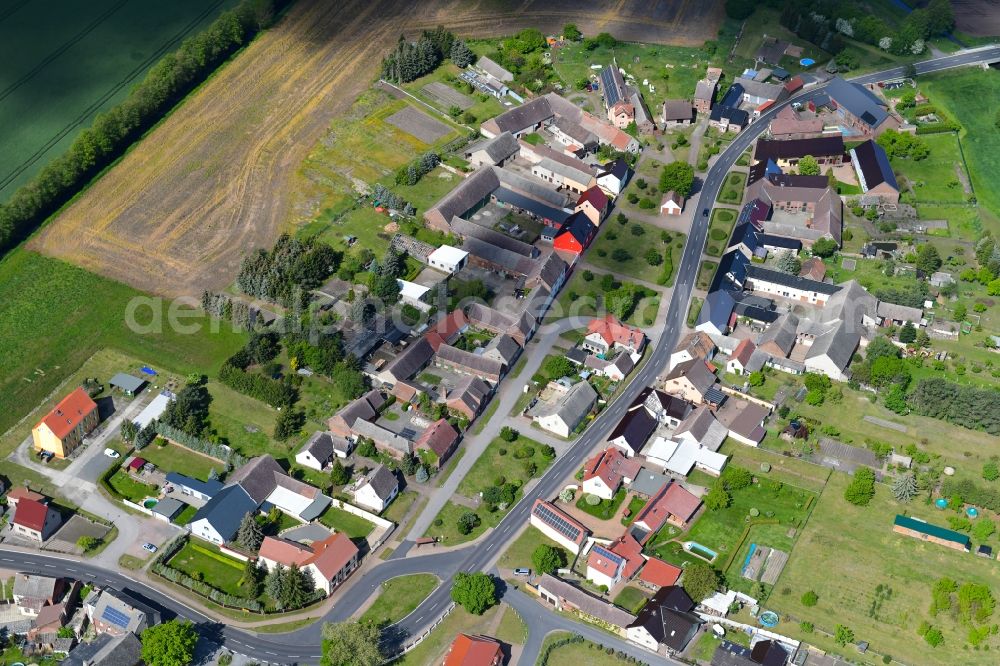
pixel 704 213
pixel 522 572
pixel 150 547
pixel 111 453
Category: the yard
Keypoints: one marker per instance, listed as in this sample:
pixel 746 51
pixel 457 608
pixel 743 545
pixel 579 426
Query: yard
pixel 447 531
pixel 339 520
pixel 637 249
pixel 631 599
pixel 447 74
pixel 719 229
pixel 582 653
pixel 518 553
pixel 174 458
pixel 433 648
pixel 205 562
pixel 731 191
pixel 585 299
pixel 397 510
pixel 398 598
pixel 858 555
pixel 128 487
pixel 604 509
pixel 705 274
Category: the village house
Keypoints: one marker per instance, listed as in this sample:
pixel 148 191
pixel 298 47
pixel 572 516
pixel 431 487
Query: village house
pixel 607 333
pixel 117 612
pixel 633 430
pixel 319 451
pixel 469 650
pixel 62 430
pixel 667 623
pixel 564 596
pixel 32 592
pixel 496 151
pixel 673 204
pixel 878 182
pixel 696 344
pixel 704 95
pixel 693 381
pixel 828 151
pixel 857 108
pixel 558 526
pixel 440 438
pixel 671 504
pixel 366 408
pixel 329 561
pixel 677 113
pixel 35 519
pixel 376 490
pixel 614 176
pixel 568 411
pixel 574 236
pixel 604 474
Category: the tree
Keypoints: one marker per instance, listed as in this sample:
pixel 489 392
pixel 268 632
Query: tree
pixel 128 431
pixel 928 258
pixel 983 530
pixel 756 378
pixel 815 397
pixel 509 434
pixel 861 489
pixel 366 448
pixel 843 635
pixel 275 582
pixel 824 247
pixel 700 580
pixel 904 488
pixel 934 637
pixel 960 311
pixel 558 366
pixel 339 475
pixel 808 166
pixel 653 258
pixel 677 177
pixel 352 644
pixel 908 333
pixel 290 422
pixel 169 644
pixel 409 464
pixel 991 472
pixel 940 17
pixel 475 592
pixel 789 263
pixel 249 535
pixel 740 9
pixel 571 32
pixel 717 498
pixel 810 599
pixel 922 339
pixel 548 558
pixel 461 54
pixel 88 543
pixel 422 474
pixel 467 522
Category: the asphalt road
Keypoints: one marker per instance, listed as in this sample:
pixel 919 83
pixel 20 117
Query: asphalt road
pixel 303 646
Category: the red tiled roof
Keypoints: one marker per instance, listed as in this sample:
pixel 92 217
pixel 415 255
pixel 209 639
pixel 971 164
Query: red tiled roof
pixel 31 513
pixel 793 84
pixel 680 502
pixel 332 554
pixel 469 650
pixel 552 511
pixel 21 493
pixel 613 331
pixel 136 463
pixel 439 438
pixel 631 550
pixel 743 351
pixel 601 563
pixel 68 414
pixel 595 196
pixel 611 465
pixel 445 330
pixel 284 552
pixel 659 573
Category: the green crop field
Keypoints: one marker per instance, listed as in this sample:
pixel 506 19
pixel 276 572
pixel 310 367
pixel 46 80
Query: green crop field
pixel 969 96
pixel 64 65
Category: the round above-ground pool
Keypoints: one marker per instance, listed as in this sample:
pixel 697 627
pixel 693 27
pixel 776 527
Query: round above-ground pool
pixel 150 502
pixel 972 512
pixel 768 619
pixel 941 503
pixel 807 62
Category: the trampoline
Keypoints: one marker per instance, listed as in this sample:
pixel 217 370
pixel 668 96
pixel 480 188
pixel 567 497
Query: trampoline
pixel 768 619
pixel 972 512
pixel 807 62
pixel 941 503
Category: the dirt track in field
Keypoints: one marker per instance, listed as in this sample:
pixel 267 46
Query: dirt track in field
pixel 210 183
pixel 980 18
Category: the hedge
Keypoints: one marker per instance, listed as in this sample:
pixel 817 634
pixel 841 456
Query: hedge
pixel 217 451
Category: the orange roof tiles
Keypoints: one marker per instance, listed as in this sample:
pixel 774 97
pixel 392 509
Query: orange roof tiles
pixel 68 414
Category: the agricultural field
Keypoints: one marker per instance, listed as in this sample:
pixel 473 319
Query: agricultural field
pixel 968 95
pixel 54 316
pixel 861 558
pixel 623 248
pixel 61 69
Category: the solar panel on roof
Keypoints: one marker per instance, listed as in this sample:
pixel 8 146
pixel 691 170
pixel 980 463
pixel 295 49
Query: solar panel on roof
pixel 611 96
pixel 115 617
pixel 557 522
pixel 607 554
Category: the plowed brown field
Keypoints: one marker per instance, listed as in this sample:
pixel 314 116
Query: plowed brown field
pixel 210 183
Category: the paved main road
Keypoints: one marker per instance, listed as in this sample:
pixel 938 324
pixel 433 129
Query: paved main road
pixel 303 646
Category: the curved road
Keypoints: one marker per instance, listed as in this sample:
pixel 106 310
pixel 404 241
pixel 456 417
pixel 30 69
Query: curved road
pixel 303 646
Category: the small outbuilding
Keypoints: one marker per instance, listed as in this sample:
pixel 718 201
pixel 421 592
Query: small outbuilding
pixel 127 384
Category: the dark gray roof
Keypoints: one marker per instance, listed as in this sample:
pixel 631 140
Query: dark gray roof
pixel 769 653
pixel 858 100
pixel 838 343
pixel 127 382
pixel 522 117
pixel 550 270
pixel 781 332
pixel 494 254
pixel 647 482
pixel 411 359
pixel 533 206
pixel 588 604
pixel 717 308
pixel 794 281
pixel 618 168
pixel 732 114
pixel 577 355
pixel 320 445
pixel 574 406
pixel 468 360
pixel 468 229
pixel 382 436
pixel 498 148
pixel 871 160
pixel 258 477
pixel 467 194
pixel 668 617
pixel 677 109
pixel 107 650
pixel 383 482
pixel 575 131
pixel 226 509
pixel 504 347
pixel 697 373
pixel 613 85
pixel 169 507
pixel 635 427
pixel 824 146
pixel 731 654
pixel 207 488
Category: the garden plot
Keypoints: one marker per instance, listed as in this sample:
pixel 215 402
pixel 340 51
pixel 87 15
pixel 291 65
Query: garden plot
pixel 447 96
pixel 418 124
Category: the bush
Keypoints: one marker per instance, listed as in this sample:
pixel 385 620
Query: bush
pixel 509 434
pixel 810 599
pixel 592 500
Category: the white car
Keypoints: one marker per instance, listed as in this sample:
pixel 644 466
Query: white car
pixel 150 547
pixel 111 453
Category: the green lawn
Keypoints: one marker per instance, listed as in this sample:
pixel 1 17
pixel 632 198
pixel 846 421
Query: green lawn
pixel 936 177
pixel 732 189
pixel 581 298
pixel 447 74
pixel 54 316
pixel 447 532
pixel 969 95
pixel 694 310
pixel 185 516
pixel 518 553
pixel 400 506
pixel 705 274
pixel 129 488
pixel 353 526
pixel 631 599
pixel 719 229
pixel 577 654
pixel 433 648
pixel 491 465
pixel 631 250
pixel 205 562
pixel 846 552
pixel 512 628
pixel 174 458
pixel 398 598
pixel 634 507
pixel 606 509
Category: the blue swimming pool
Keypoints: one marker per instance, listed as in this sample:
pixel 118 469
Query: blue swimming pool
pixel 701 551
pixel 941 503
pixel 807 62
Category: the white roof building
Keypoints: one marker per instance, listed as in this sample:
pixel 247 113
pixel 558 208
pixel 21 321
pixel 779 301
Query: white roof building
pixel 448 259
pixel 681 457
pixel 153 410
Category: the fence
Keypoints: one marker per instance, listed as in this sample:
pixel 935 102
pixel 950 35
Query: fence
pixel 420 639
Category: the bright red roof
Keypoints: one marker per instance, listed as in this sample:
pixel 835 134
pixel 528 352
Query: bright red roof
pixel 670 500
pixel 611 465
pixel 615 332
pixel 445 330
pixel 631 550
pixel 30 513
pixel 596 196
pixel 793 84
pixel 659 573
pixel 136 463
pixel 68 414
pixel 744 350
pixel 469 650
pixel 598 561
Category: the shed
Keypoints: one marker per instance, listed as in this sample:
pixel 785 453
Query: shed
pixel 167 509
pixel 128 384
pixel 136 464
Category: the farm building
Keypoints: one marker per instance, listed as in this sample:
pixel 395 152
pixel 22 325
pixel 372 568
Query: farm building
pixel 918 529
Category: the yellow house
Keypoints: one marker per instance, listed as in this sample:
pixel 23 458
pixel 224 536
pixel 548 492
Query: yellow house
pixel 62 429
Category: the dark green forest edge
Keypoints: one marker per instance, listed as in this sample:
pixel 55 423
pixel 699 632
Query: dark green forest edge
pixel 112 133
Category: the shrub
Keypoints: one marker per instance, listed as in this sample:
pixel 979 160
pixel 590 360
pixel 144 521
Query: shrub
pixel 810 599
pixel 592 500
